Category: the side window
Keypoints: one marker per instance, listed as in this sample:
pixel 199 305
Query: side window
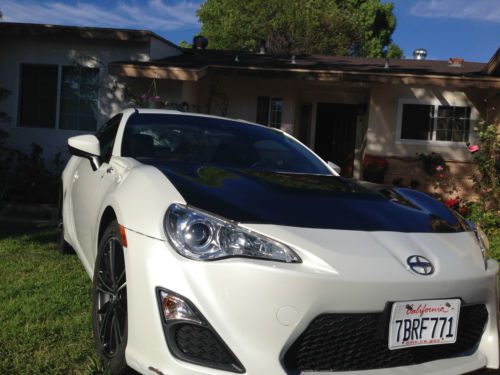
pixel 106 136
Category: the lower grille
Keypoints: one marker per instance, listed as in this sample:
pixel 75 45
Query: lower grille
pixel 200 344
pixel 351 342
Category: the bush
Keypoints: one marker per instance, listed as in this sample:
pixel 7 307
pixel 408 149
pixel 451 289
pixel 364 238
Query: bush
pixel 438 174
pixel 26 179
pixel 488 220
pixel 432 164
pixel 486 157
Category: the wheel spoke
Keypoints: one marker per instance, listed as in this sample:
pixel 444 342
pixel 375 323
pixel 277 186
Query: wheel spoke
pixel 121 287
pixel 111 255
pixel 102 285
pixel 117 329
pixel 105 322
pixel 104 308
pixel 122 276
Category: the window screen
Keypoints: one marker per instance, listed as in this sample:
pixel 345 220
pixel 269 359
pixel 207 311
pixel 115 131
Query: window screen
pixel 79 90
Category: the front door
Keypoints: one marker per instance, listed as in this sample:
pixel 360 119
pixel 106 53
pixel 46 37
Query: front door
pixel 336 134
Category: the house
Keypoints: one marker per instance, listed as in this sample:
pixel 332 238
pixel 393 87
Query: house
pixel 58 79
pixel 342 107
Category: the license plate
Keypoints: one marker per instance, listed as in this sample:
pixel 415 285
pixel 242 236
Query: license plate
pixel 419 323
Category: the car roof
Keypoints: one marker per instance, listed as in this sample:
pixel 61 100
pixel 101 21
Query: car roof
pixel 174 112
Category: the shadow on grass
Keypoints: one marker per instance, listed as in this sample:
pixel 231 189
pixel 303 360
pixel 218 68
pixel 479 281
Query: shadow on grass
pixel 39 232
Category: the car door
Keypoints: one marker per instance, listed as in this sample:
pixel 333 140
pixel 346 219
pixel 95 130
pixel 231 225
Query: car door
pixel 88 189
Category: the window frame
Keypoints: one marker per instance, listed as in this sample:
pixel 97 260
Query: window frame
pixel 58 98
pixel 270 111
pixel 474 116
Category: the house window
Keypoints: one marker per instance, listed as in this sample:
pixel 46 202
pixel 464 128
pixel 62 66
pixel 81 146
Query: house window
pixel 453 124
pixel 79 88
pixel 38 96
pixel 269 111
pixel 435 122
pixel 53 96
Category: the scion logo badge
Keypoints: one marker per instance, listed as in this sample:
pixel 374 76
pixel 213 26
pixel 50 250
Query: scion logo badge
pixel 420 265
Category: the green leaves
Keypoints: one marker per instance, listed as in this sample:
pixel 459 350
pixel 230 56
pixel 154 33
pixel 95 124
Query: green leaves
pixel 359 27
pixel 487 160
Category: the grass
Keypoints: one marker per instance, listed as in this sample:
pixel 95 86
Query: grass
pixel 45 306
pixel 494 238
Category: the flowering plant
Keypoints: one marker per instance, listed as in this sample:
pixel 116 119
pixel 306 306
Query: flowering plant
pixel 374 168
pixel 457 204
pixel 438 173
pixel 374 163
pixel 433 164
pixel 486 157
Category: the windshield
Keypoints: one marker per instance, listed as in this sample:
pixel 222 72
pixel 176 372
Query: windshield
pixel 214 141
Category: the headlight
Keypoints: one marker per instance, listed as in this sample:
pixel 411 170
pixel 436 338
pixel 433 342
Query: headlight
pixel 201 236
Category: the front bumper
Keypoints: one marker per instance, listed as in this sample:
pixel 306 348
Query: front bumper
pixel 260 308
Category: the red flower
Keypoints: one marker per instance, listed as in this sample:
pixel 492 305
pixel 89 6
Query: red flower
pixel 463 210
pixel 441 175
pixel 473 148
pixel 452 202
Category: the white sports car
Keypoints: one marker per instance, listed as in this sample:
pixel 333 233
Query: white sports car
pixel 220 246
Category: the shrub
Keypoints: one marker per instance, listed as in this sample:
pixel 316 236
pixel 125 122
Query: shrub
pixel 31 181
pixel 432 164
pixel 438 174
pixel 486 157
pixel 374 168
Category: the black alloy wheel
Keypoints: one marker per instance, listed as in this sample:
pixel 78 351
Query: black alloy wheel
pixel 109 301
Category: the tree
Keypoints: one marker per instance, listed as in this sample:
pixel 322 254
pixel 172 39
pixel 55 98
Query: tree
pixel 334 27
pixel 185 44
pixel 393 51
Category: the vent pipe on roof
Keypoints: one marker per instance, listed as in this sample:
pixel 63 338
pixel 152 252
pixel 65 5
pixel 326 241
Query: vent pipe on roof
pixel 456 62
pixel 420 54
pixel 200 42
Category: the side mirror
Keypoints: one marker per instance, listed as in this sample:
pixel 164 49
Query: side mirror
pixel 86 146
pixel 334 166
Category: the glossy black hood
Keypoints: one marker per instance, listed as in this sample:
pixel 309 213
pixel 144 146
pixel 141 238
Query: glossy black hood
pixel 311 201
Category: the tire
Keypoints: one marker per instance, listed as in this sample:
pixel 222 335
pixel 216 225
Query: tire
pixel 109 302
pixel 63 247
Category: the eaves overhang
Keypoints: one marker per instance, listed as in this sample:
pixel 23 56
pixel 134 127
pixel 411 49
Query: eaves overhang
pixel 196 73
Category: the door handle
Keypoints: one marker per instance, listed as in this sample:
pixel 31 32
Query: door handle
pixel 110 170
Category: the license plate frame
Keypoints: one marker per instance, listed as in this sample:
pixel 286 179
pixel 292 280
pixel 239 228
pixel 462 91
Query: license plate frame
pixel 423 323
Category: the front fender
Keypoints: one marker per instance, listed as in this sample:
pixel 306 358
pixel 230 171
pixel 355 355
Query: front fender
pixel 141 199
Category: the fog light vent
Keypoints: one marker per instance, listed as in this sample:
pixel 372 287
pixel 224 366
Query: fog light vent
pixel 190 337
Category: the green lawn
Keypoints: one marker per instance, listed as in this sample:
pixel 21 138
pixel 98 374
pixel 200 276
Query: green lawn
pixel 45 306
pixel 494 238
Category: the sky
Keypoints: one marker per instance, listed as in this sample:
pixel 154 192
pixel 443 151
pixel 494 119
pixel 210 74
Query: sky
pixel 446 28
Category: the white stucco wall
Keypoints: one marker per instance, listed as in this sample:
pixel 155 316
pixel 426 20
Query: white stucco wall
pixel 240 94
pixel 90 53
